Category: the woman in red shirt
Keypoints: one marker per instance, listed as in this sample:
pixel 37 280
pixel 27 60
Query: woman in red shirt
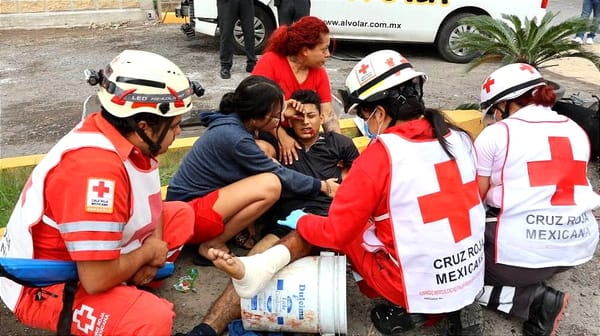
pixel 294 59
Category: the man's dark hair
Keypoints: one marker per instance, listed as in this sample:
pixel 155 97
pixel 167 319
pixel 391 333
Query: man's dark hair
pixel 154 121
pixel 307 97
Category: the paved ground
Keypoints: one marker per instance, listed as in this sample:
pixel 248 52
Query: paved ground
pixel 41 90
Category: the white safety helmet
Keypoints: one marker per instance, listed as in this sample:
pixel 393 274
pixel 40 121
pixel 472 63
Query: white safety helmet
pixel 372 76
pixel 507 83
pixel 140 81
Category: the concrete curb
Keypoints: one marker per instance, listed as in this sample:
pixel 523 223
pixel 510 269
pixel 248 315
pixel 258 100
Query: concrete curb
pixel 32 160
pixel 467 119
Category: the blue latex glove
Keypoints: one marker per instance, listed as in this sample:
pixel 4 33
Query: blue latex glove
pixel 292 219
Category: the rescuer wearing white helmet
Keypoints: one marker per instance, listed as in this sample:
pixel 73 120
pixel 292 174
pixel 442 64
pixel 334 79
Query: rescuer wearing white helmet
pixel 532 165
pixel 139 83
pixel 95 200
pixel 407 208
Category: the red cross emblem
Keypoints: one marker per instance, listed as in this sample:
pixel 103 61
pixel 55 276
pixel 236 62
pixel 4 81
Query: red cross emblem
pixel 155 202
pixel 488 84
pixel 453 201
pixel 100 189
pixel 527 67
pixel 363 68
pixel 389 62
pixel 84 318
pixel 561 170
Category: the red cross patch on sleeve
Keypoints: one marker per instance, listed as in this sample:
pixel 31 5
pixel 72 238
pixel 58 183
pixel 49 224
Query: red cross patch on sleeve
pixel 100 195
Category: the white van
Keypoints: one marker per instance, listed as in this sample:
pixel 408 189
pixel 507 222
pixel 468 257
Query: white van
pixel 406 21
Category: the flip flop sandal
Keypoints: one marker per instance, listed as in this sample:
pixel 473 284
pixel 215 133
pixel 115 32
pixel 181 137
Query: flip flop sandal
pixel 389 319
pixel 244 240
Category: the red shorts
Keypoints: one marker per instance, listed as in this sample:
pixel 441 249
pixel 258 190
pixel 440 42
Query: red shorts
pixel 208 223
pixel 122 310
pixel 381 277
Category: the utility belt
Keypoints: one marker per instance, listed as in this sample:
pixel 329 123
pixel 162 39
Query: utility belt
pixel 66 314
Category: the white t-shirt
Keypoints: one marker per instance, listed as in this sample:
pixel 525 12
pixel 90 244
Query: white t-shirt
pixel 491 146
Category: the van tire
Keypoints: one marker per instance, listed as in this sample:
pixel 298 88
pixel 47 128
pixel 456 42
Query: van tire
pixel 445 36
pixel 263 28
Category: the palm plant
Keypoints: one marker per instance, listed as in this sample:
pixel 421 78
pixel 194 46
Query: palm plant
pixel 514 41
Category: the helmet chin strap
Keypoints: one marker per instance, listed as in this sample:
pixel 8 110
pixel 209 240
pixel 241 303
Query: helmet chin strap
pixel 154 147
pixel 506 109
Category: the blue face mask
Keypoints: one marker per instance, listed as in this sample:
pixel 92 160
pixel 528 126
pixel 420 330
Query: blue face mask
pixel 368 132
pixel 366 126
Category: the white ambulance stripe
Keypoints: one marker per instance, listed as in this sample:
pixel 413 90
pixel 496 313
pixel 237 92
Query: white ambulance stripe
pixel 91 226
pixel 506 299
pixel 94 245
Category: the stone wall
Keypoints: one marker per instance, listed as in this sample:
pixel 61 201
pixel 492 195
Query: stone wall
pixel 70 13
pixel 49 6
pixel 169 5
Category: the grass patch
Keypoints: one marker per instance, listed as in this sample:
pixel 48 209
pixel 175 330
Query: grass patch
pixel 12 180
pixel 169 163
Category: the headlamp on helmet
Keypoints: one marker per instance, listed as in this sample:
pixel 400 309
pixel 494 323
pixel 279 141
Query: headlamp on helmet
pixel 143 82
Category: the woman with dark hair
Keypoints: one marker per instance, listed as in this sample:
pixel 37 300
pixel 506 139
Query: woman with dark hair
pixel 532 167
pixel 408 214
pixel 294 59
pixel 226 178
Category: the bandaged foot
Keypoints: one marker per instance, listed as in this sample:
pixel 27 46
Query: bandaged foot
pixel 251 274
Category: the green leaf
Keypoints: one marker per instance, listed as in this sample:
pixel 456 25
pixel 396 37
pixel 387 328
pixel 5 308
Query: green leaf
pixel 536 42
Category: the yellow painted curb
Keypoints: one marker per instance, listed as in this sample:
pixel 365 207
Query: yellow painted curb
pixel 21 161
pixel 467 119
pixel 361 142
pixel 32 160
pixel 169 17
pixel 179 143
pixel 2 231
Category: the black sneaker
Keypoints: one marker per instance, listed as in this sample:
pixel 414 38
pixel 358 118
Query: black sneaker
pixel 250 67
pixel 546 311
pixel 465 322
pixel 389 319
pixel 201 329
pixel 225 73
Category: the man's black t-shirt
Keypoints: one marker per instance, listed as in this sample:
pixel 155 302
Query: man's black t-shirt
pixel 323 160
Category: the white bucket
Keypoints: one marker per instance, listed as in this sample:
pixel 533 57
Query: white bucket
pixel 307 296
